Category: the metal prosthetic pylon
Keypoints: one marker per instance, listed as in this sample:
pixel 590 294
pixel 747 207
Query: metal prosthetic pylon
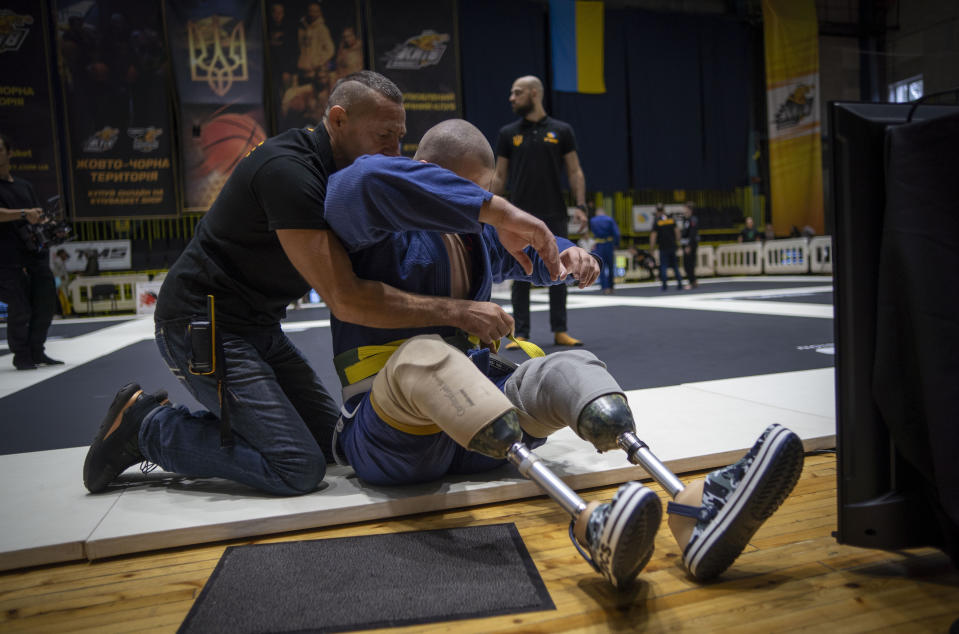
pixel 532 468
pixel 503 439
pixel 638 453
pixel 608 422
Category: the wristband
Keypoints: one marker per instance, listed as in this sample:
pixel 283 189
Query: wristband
pixel 23 214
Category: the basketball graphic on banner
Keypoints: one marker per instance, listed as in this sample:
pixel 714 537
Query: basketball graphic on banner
pixel 226 139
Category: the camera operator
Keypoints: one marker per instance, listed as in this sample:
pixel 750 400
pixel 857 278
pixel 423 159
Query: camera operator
pixel 27 286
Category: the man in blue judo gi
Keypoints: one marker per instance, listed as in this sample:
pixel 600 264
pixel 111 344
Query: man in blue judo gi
pixel 421 403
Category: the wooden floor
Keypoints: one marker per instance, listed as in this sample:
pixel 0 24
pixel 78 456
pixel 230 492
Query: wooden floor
pixel 793 576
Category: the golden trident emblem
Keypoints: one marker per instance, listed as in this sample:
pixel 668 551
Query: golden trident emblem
pixel 217 57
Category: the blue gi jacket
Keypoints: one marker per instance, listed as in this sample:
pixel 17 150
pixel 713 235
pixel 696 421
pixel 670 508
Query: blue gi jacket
pixel 372 206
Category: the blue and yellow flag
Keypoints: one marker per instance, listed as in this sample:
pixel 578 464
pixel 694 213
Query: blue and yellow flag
pixel 576 33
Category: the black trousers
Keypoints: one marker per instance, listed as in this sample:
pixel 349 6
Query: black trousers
pixel 557 308
pixel 30 294
pixel 689 263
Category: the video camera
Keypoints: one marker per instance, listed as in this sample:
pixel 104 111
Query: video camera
pixel 52 229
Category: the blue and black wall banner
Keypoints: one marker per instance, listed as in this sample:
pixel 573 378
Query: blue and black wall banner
pixel 115 78
pixel 26 106
pixel 217 52
pixel 416 44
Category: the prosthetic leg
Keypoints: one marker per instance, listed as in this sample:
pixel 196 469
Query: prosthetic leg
pixel 619 536
pixel 426 380
pixel 712 520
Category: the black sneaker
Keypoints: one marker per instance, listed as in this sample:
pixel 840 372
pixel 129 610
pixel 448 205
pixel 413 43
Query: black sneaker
pixel 22 362
pixel 116 446
pixel 43 359
pixel 737 499
pixel 621 535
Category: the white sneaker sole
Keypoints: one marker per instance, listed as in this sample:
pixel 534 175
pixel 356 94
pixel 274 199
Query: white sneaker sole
pixel 768 481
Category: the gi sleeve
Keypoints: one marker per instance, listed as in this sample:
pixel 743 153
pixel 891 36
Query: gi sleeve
pixel 505 267
pixel 378 196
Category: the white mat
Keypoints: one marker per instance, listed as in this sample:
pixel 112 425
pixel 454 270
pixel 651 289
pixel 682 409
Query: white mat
pixel 48 516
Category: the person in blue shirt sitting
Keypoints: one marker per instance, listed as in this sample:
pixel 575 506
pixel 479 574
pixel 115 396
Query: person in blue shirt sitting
pixel 424 403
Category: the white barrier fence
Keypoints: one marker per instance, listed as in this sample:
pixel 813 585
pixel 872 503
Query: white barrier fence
pixel 105 293
pixel 820 254
pixel 705 265
pixel 781 257
pixel 739 259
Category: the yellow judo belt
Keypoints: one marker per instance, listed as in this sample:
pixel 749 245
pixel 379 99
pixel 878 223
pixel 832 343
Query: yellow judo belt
pixel 363 362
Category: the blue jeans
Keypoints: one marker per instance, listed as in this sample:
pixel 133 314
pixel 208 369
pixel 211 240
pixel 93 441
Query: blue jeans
pixel 281 415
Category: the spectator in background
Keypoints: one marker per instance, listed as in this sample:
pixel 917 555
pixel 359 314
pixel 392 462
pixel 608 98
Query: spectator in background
pixel 770 231
pixel 665 233
pixel 690 243
pixel 749 232
pixel 606 238
pixel 531 155
pixel 26 283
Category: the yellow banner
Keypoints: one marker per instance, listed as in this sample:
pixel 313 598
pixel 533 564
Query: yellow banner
pixel 792 89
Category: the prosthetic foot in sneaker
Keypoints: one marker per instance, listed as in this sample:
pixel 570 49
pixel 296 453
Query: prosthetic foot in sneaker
pixel 737 499
pixel 116 447
pixel 620 535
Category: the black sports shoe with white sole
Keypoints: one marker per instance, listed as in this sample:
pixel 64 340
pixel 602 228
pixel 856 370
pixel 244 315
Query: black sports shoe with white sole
pixel 621 535
pixel 737 499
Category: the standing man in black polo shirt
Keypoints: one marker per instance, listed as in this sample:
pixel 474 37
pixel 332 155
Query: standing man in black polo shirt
pixel 26 282
pixel 665 235
pixel 531 155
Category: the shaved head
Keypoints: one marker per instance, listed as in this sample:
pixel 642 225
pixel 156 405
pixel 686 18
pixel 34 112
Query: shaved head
pixel 361 90
pixel 531 82
pixel 526 97
pixel 460 147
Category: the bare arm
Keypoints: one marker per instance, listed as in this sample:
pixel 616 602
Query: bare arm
pixel 577 185
pixel 500 176
pixel 324 264
pixel 517 230
pixel 31 214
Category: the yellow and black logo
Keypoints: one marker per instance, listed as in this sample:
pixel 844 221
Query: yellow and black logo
pixel 217 52
pixel 13 30
pixel 799 104
pixel 517 140
pixel 551 137
pixel 419 51
pixel 145 139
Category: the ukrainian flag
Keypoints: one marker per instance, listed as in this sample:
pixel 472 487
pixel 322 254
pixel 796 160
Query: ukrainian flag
pixel 576 33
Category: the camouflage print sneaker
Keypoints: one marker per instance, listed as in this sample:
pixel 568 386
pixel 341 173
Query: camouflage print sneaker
pixel 737 499
pixel 620 535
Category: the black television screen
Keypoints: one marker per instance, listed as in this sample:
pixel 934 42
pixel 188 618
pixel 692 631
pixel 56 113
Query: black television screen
pixel 884 495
